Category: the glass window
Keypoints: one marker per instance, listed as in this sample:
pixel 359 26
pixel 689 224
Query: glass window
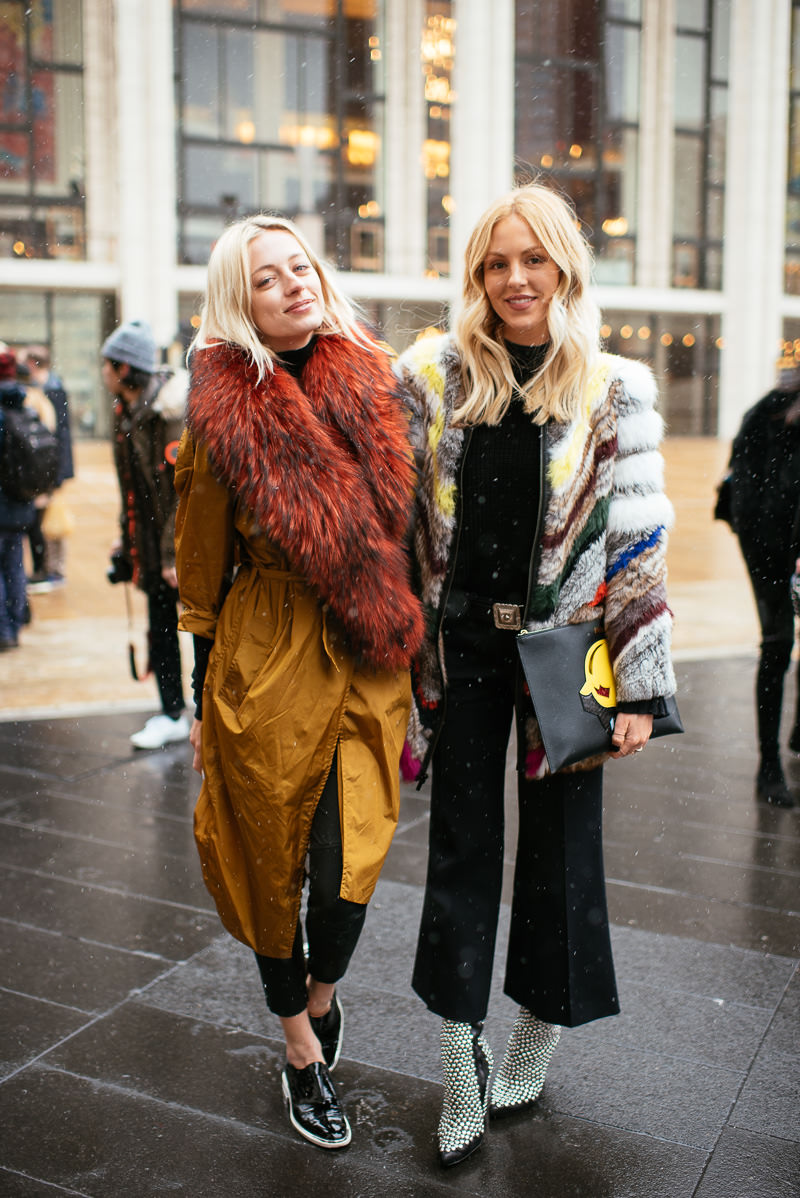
pixel 688 214
pixel 284 112
pixel 691 14
pixel 73 327
pixel 283 12
pixel 721 39
pixel 631 10
pixel 56 31
pixel 42 203
pixel 437 57
pixel 577 115
pixel 690 82
pixel 701 121
pixel 684 351
pixel 622 74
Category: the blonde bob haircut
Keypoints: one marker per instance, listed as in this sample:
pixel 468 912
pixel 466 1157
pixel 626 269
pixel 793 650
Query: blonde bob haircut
pixel 226 313
pixel 573 320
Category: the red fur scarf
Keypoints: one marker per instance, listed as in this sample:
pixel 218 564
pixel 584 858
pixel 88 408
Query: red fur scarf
pixel 325 467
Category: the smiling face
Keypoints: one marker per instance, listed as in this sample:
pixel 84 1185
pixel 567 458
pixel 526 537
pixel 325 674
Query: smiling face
pixel 286 305
pixel 520 280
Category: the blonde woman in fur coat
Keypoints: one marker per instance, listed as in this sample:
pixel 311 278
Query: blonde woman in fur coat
pixel 541 489
pixel 296 481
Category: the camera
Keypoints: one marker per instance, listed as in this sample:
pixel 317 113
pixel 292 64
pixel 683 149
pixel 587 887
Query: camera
pixel 120 570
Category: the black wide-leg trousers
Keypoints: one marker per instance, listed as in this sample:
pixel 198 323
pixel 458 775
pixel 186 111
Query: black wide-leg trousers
pixel 559 963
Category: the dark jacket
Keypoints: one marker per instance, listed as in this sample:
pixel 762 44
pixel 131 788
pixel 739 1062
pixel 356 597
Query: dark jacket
pixel 146 438
pixel 765 485
pixel 15 515
pixel 54 390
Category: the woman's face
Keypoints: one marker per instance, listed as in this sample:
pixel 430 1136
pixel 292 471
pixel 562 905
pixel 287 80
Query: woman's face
pixel 520 279
pixel 287 305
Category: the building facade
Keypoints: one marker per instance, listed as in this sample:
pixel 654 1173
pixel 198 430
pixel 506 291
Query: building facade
pixel 132 131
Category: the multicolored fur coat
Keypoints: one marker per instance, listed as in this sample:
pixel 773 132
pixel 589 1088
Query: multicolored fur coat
pixel 325 467
pixel 604 533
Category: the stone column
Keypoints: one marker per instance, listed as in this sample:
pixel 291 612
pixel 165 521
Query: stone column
pixel 405 132
pixel 146 164
pixel 656 151
pixel 755 205
pixel 483 115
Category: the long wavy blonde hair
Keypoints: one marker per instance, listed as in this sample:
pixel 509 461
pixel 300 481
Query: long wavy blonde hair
pixel 573 319
pixel 226 312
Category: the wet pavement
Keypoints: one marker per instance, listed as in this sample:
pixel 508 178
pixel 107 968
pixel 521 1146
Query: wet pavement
pixel 138 1057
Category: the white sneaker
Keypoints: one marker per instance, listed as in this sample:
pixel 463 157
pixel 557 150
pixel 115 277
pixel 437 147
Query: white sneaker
pixel 160 730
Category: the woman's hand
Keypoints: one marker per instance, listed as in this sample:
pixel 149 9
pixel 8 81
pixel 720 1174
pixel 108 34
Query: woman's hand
pixel 196 741
pixel 631 733
pixel 170 576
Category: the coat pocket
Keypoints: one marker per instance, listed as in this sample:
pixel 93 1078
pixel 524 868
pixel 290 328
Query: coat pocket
pixel 255 617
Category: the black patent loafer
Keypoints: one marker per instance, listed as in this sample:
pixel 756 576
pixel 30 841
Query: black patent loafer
pixel 314 1107
pixel 329 1030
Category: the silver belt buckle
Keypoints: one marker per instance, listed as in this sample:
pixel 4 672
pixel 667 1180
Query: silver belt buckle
pixel 507 615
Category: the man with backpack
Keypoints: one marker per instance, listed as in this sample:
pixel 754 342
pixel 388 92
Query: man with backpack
pixel 148 422
pixel 48 549
pixel 16 511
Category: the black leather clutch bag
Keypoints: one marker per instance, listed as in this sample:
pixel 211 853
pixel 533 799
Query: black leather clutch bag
pixel 569 676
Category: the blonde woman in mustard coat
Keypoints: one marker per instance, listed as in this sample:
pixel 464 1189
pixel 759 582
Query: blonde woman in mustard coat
pixel 295 482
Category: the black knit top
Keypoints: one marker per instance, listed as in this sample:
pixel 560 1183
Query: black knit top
pixel 499 497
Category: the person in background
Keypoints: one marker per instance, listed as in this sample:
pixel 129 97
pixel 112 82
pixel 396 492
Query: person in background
pixel 15 518
pixel 296 484
pixel 764 483
pixel 48 553
pixel 148 422
pixel 541 505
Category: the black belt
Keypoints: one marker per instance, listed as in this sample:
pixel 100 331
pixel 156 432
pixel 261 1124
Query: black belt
pixel 503 615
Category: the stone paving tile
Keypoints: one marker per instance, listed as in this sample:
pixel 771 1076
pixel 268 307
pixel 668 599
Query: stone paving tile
pixel 769 1102
pixel 30 1026
pixel 88 978
pixel 105 916
pixel 750 1166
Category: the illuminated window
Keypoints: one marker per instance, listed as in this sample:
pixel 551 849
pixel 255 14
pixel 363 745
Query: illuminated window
pixel 42 201
pixel 280 108
pixel 437 55
pixel 577 115
pixel 702 38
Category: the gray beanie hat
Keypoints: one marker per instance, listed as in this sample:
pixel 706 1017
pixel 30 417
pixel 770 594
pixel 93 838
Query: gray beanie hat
pixel 133 343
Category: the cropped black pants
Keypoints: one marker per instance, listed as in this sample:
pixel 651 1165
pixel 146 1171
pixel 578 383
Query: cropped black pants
pixel 333 924
pixel 559 963
pixel 776 617
pixel 165 652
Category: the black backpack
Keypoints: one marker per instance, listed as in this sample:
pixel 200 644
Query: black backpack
pixel 29 456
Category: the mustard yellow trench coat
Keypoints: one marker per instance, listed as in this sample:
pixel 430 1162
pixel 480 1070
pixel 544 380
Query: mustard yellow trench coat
pixel 281 692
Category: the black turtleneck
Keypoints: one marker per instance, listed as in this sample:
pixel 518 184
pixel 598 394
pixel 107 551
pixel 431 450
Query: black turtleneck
pixel 499 497
pixel 294 360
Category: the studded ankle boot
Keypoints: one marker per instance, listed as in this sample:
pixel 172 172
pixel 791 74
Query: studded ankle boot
pixel 520 1078
pixel 466 1065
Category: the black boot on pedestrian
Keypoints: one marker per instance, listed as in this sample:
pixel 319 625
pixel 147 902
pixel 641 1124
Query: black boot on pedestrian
pixel 771 786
